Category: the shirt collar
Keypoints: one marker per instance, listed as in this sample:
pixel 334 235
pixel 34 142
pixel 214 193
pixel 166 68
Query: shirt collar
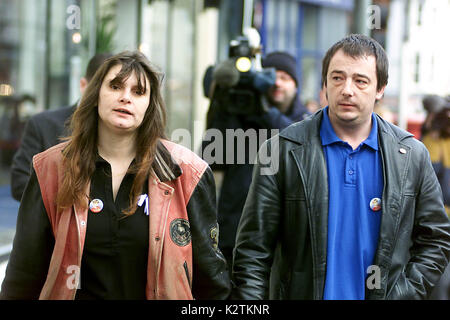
pixel 372 139
pixel 164 166
pixel 328 136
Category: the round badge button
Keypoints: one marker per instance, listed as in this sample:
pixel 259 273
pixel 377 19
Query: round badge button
pixel 96 205
pixel 375 204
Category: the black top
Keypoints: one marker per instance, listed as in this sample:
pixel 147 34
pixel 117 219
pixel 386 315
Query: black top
pixel 114 262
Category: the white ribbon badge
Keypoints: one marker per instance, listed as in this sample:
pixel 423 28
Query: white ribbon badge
pixel 142 198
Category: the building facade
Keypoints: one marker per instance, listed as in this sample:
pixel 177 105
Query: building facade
pixel 45 46
pixel 306 29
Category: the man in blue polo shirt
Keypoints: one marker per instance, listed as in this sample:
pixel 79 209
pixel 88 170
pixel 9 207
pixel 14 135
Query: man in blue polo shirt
pixel 349 206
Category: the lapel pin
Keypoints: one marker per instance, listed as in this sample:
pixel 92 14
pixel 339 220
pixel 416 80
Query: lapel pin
pixel 375 204
pixel 96 205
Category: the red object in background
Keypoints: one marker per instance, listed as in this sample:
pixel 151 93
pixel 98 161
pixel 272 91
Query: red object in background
pixel 414 126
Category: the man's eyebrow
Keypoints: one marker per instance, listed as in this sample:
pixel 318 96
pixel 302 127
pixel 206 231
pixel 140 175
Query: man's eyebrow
pixel 338 71
pixel 356 74
pixel 362 76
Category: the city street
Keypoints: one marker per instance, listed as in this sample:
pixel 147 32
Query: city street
pixel 271 121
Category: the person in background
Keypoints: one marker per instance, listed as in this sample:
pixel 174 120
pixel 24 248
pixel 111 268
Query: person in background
pixel 236 177
pixel 432 104
pixel 44 130
pixel 284 96
pixel 437 140
pixel 436 137
pixel 117 211
pixel 312 105
pixel 353 209
pixel 384 112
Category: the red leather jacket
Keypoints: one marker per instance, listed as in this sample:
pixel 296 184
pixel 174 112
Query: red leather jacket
pixel 170 271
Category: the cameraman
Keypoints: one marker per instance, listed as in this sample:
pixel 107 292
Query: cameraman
pixel 279 106
pixel 284 99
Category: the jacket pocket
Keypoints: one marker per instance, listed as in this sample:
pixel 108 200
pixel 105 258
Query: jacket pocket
pixel 402 289
pixel 186 270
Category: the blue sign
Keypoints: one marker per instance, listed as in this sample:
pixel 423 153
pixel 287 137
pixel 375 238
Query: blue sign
pixel 338 4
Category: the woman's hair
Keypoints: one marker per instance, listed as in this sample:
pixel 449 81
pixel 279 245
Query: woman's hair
pixel 81 151
pixel 441 123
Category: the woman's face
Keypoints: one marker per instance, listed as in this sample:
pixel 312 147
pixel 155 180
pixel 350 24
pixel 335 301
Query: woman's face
pixel 122 106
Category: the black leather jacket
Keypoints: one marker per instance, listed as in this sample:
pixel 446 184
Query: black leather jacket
pixel 285 219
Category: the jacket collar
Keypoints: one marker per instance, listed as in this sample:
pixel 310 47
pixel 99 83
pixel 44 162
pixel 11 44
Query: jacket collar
pixel 329 136
pixel 164 166
pixel 305 131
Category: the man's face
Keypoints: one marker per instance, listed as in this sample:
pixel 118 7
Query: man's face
pixel 351 89
pixel 282 94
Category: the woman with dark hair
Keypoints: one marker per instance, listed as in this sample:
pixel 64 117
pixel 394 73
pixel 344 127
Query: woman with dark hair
pixel 436 137
pixel 117 211
pixel 437 141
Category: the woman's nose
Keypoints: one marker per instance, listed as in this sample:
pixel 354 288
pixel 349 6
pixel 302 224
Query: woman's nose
pixel 125 97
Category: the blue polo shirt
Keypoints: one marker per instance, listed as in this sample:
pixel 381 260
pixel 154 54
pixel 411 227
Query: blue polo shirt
pixel 355 177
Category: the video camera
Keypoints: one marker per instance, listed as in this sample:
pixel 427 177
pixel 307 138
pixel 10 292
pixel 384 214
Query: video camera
pixel 240 81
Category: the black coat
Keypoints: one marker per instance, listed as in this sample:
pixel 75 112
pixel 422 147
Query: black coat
pixel 42 131
pixel 284 221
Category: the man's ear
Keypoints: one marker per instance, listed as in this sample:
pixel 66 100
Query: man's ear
pixel 380 93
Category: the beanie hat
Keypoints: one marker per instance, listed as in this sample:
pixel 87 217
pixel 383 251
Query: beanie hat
pixel 433 103
pixel 282 61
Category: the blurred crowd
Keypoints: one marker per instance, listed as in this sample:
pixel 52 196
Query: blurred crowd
pixel 436 137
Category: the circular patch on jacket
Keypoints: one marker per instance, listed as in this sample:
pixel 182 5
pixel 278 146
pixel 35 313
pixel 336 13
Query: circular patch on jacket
pixel 180 232
pixel 214 234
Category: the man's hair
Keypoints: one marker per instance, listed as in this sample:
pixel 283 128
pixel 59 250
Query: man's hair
pixel 94 63
pixel 358 45
pixel 80 153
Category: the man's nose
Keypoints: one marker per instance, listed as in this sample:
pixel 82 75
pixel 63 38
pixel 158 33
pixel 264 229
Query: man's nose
pixel 347 90
pixel 278 81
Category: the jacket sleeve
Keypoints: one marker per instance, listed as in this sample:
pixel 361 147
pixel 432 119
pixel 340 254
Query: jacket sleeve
pixel 21 165
pixel 210 275
pixel 32 247
pixel 257 234
pixel 430 251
